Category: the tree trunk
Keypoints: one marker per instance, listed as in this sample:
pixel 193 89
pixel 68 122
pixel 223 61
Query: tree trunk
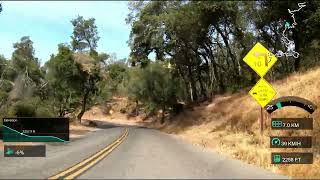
pixel 218 78
pixel 203 90
pixel 162 114
pixel 137 110
pixel 192 84
pixel 233 57
pixel 185 81
pixel 83 108
pixel 199 71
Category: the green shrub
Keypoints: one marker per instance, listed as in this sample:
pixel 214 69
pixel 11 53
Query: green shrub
pixel 155 86
pixel 6 86
pixel 3 97
pixel 24 108
pixel 44 112
pixel 30 107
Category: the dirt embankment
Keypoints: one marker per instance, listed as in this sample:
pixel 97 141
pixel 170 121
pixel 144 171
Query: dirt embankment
pixel 229 124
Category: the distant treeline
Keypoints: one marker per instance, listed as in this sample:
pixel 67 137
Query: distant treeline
pixel 198 48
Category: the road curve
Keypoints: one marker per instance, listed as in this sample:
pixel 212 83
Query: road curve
pixel 145 153
pixel 150 154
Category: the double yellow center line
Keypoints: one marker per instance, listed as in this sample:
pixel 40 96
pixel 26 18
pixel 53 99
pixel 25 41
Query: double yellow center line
pixel 84 165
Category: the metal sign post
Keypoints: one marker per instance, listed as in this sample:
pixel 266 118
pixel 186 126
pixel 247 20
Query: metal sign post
pixel 260 59
pixel 261 121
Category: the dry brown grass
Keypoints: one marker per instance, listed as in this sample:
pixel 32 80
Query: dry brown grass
pixel 110 112
pixel 229 125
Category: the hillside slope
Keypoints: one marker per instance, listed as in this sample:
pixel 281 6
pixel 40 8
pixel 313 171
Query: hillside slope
pixel 230 124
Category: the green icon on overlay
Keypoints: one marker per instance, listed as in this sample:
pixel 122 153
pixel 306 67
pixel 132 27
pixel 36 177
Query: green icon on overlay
pixel 276 124
pixel 275 142
pixel 276 158
pixel 9 151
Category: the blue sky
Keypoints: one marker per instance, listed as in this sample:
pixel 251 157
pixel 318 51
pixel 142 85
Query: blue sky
pixel 48 24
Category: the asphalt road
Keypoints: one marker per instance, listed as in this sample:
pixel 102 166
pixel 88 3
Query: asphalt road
pixel 144 153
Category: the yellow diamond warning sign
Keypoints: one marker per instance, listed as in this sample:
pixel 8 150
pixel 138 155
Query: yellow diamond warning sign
pixel 262 92
pixel 260 59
